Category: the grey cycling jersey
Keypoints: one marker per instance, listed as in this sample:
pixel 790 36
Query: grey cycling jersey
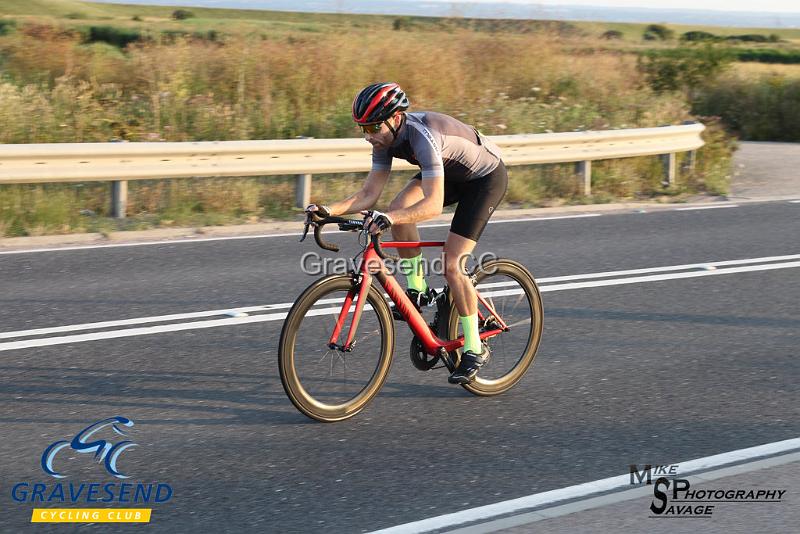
pixel 440 145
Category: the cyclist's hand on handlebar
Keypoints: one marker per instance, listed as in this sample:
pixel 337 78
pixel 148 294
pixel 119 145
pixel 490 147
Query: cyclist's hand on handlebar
pixel 317 209
pixel 376 222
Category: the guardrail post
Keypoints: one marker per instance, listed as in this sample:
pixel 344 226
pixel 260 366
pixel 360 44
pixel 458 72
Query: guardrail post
pixel 690 162
pixel 119 198
pixel 670 168
pixel 584 170
pixel 303 190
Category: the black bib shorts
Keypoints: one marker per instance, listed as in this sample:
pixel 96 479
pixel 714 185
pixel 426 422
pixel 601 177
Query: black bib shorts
pixel 477 200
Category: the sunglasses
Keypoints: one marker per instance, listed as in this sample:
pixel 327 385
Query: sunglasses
pixel 371 128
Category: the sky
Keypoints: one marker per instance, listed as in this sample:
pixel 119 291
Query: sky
pixel 788 6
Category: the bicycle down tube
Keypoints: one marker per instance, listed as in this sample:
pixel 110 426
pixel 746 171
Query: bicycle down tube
pixel 371 261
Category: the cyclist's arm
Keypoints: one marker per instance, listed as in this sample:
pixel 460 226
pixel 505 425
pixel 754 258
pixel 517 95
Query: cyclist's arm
pixel 366 197
pixel 425 144
pixel 430 206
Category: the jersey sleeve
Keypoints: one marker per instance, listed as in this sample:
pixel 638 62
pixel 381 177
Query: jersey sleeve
pixel 381 160
pixel 427 150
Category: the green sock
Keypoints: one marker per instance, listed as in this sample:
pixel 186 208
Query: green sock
pixel 412 267
pixel 472 340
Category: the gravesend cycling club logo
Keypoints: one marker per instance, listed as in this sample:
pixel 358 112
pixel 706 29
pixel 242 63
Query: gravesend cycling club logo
pixel 103 450
pixel 106 441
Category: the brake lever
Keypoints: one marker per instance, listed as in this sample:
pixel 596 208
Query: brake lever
pixel 308 224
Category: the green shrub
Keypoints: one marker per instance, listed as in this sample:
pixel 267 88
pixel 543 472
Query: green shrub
pixel 749 38
pixel 402 23
pixel 119 37
pixel 7 26
pixel 767 55
pixel 182 14
pixel 659 31
pixel 698 36
pixel 612 35
pixel 683 68
pixel 765 109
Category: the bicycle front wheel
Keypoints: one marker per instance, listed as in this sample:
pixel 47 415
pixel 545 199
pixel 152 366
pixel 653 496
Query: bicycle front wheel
pixel 509 288
pixel 327 384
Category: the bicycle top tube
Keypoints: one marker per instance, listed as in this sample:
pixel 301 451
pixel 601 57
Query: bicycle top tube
pixel 412 244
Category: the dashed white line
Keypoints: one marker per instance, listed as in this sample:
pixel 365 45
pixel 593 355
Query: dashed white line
pixel 238 320
pixel 286 305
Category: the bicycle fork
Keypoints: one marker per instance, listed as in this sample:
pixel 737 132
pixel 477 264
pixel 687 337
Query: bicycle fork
pixel 361 284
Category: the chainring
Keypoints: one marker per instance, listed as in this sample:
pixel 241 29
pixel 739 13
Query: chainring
pixel 421 359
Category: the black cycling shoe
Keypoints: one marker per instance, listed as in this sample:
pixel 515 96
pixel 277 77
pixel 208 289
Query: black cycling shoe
pixel 419 299
pixel 469 366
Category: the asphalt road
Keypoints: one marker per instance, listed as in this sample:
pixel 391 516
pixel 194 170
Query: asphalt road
pixel 765 170
pixel 651 372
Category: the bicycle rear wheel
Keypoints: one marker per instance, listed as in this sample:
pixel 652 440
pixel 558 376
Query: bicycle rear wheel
pixel 331 385
pixel 511 291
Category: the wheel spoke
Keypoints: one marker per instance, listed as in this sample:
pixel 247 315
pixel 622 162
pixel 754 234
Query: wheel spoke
pixel 340 387
pixel 513 305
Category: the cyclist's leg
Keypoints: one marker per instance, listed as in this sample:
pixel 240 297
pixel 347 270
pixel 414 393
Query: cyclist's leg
pixel 478 201
pixel 457 249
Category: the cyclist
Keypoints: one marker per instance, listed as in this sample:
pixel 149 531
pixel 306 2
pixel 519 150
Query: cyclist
pixel 458 165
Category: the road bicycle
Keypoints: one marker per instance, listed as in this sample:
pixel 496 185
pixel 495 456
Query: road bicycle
pixel 331 370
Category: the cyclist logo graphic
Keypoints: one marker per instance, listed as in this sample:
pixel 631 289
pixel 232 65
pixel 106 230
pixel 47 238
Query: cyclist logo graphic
pixel 104 451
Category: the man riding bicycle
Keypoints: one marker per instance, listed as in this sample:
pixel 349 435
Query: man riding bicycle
pixel 458 165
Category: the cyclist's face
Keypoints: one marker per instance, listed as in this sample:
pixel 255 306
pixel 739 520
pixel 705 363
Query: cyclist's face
pixel 383 137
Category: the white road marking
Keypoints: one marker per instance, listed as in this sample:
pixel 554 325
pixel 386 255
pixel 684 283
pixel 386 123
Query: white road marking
pixel 138 320
pixel 582 491
pixel 189 239
pixel 286 305
pixel 554 218
pixel 532 219
pixel 232 321
pixel 794 202
pixel 674 276
pixel 559 510
pixel 142 331
pixel 695 208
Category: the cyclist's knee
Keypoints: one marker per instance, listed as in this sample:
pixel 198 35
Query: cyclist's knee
pixel 453 266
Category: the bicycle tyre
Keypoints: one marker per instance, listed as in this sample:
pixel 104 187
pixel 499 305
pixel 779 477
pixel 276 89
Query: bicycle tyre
pixel 292 382
pixel 523 277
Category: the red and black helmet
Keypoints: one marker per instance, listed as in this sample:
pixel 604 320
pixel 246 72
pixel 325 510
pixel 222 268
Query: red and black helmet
pixel 378 102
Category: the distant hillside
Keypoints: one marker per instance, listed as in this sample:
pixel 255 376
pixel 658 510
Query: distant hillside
pixel 500 10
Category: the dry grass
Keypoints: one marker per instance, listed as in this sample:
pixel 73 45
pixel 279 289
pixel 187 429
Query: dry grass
pixel 756 70
pixel 55 89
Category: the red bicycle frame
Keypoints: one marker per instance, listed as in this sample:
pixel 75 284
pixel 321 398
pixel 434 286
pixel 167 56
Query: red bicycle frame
pixel 372 263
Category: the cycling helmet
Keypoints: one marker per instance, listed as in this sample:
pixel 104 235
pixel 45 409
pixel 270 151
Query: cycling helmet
pixel 378 102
